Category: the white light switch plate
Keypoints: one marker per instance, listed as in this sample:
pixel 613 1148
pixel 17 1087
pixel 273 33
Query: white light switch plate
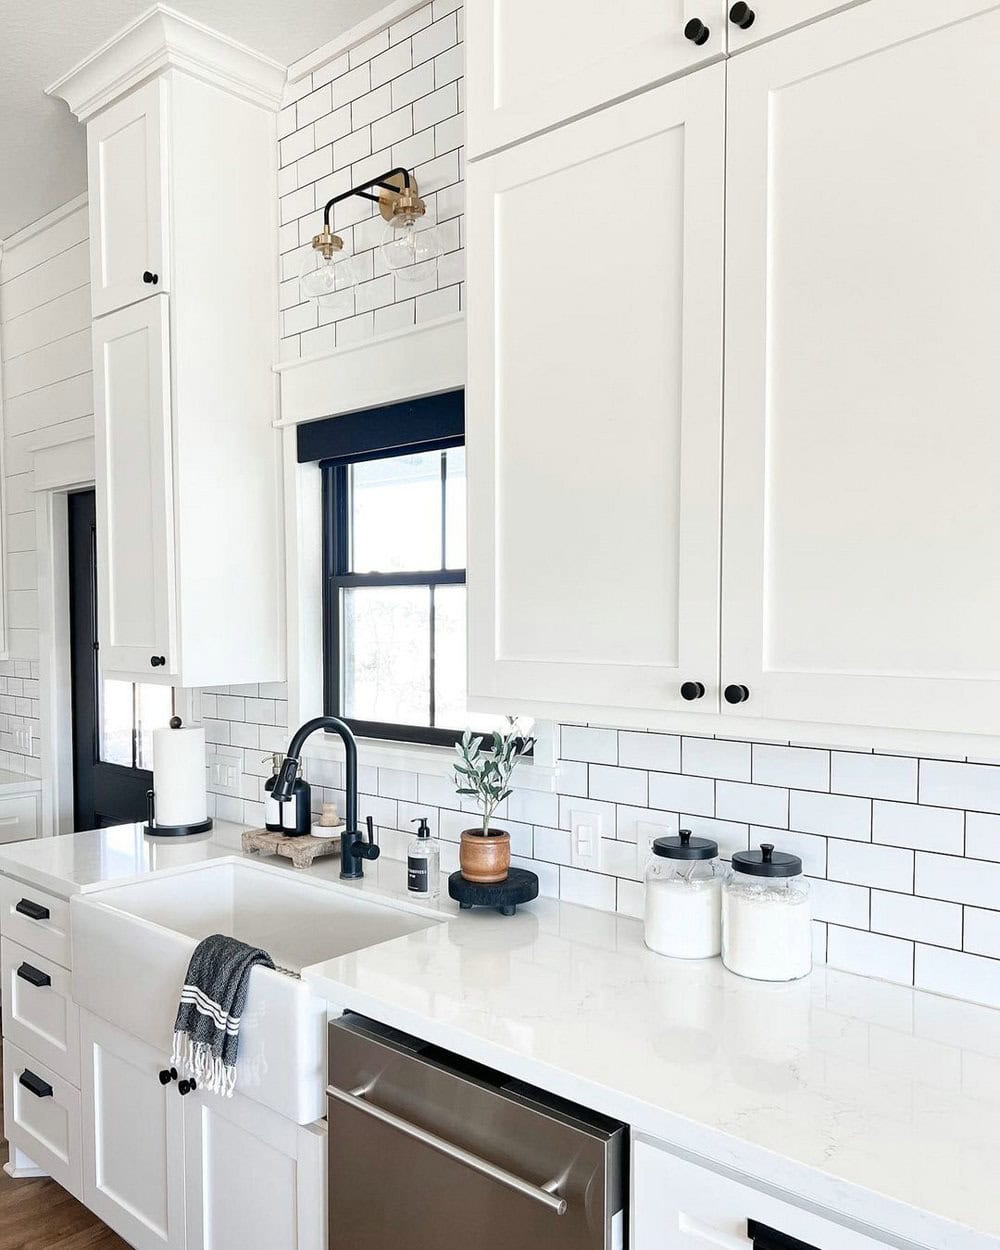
pixel 225 768
pixel 585 839
pixel 646 834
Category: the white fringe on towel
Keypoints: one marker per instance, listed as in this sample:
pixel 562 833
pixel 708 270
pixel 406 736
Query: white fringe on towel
pixel 197 1058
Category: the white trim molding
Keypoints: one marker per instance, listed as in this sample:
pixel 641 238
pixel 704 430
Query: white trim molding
pixel 159 39
pixel 427 360
pixel 43 223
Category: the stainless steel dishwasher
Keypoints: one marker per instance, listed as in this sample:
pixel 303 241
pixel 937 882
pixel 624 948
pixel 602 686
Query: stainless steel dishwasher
pixel 431 1152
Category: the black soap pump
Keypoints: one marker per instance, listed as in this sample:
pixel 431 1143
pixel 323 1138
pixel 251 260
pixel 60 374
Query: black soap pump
pixel 296 811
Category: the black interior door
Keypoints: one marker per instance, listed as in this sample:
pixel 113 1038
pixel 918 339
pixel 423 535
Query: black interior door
pixel 103 793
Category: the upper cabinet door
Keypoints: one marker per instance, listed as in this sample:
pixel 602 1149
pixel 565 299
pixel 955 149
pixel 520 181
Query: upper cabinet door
pixel 594 407
pixel 530 65
pixel 861 561
pixel 128 198
pixel 136 592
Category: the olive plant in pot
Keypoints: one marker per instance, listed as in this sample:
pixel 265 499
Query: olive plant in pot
pixel 486 765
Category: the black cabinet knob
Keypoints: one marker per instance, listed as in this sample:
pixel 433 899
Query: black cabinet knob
pixel 692 690
pixel 168 1075
pixel 736 694
pixel 742 15
pixel 186 1087
pixel 697 31
pixel 158 661
pixel 149 278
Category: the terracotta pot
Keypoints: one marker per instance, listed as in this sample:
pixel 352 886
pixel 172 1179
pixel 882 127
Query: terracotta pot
pixel 482 859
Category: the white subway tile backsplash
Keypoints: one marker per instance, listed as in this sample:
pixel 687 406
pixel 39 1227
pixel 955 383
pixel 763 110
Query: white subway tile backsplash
pixel 960 880
pixel 861 863
pixel 595 746
pixel 716 757
pixel 874 776
pixel 761 805
pixel 982 836
pixel 589 889
pixel 840 904
pixel 832 815
pixel 982 932
pixel 799 768
pixel 618 785
pixel 975 787
pixel 412 85
pixel 657 752
pixel 638 824
pixel 670 792
pixel 907 916
pixel 810 848
pixel 958 975
pixel 870 954
pixel 730 835
pixel 921 828
pixel 434 39
pixel 552 845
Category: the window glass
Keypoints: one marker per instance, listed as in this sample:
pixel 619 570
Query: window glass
pixel 116 718
pixel 153 711
pixel 395 514
pixel 386 652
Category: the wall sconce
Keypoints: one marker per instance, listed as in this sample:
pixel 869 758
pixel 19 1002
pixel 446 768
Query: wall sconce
pixel 405 245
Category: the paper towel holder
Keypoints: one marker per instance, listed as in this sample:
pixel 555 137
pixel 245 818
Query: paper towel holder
pixel 170 831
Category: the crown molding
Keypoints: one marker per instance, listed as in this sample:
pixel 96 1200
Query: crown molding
pixel 161 39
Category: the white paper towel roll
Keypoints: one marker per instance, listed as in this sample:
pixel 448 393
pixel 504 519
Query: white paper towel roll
pixel 179 775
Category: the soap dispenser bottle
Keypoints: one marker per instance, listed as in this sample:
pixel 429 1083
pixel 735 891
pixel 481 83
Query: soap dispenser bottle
pixel 272 808
pixel 296 812
pixel 423 862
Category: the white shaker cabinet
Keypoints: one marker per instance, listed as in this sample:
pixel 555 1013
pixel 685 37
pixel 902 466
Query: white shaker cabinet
pixel 530 66
pixel 135 511
pixel 861 526
pixel 133 1138
pixel 594 407
pixel 755 20
pixel 678 1205
pixel 254 1180
pixel 183 190
pixel 126 154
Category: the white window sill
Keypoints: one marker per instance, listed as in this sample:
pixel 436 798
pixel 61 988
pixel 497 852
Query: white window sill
pixel 538 773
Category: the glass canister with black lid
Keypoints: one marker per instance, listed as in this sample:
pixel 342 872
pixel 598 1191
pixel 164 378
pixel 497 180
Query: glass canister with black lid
pixel 766 917
pixel 683 915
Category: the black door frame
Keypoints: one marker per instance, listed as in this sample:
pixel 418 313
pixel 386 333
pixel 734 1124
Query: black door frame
pixel 103 794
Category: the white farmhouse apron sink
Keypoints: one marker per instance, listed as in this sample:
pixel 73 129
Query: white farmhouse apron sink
pixel 132 945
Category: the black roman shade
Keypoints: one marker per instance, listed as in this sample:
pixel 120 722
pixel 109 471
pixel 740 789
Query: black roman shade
pixel 434 421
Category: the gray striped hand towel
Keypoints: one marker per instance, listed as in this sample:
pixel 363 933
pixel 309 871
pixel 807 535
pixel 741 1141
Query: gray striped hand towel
pixel 207 1028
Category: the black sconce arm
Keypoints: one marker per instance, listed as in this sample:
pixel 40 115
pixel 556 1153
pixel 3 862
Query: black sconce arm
pixel 364 191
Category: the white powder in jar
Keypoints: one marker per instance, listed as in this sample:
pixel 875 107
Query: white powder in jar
pixel 684 916
pixel 766 931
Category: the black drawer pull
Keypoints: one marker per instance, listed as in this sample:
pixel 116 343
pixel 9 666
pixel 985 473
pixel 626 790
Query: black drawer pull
pixel 34 976
pixel 765 1238
pixel 34 911
pixel 35 1084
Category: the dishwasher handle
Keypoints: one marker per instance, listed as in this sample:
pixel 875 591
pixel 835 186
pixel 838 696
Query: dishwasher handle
pixel 544 1194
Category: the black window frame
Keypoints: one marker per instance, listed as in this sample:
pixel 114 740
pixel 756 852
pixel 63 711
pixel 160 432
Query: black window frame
pixel 338 576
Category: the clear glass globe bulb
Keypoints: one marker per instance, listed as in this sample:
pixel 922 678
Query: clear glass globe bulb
pixel 406 246
pixel 322 277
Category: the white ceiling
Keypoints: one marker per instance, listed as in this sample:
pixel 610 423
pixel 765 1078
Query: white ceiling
pixel 42 146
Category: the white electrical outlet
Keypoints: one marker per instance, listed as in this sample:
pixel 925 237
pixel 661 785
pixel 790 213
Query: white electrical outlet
pixel 585 839
pixel 23 739
pixel 647 832
pixel 225 768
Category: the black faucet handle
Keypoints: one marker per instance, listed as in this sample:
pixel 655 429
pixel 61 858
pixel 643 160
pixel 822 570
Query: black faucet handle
pixel 369 849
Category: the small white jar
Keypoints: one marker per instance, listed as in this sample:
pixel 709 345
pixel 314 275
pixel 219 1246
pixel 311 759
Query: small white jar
pixel 766 917
pixel 683 915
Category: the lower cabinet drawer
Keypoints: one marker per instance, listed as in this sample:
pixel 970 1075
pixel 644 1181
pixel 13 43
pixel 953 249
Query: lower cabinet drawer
pixel 19 818
pixel 683 1206
pixel 36 920
pixel 42 1117
pixel 39 1015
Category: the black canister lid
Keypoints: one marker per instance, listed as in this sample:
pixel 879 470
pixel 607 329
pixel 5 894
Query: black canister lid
pixel 767 862
pixel 685 847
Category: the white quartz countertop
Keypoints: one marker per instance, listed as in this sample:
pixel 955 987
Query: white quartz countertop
pixel 873 1101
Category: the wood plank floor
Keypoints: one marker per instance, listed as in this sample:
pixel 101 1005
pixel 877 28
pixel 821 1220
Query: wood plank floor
pixel 41 1215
